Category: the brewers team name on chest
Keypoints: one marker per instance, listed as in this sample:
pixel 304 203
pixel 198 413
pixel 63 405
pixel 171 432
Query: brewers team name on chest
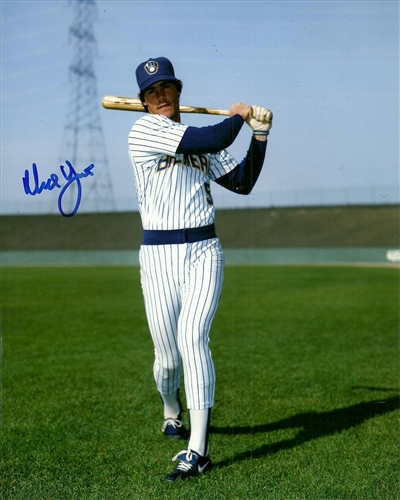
pixel 199 162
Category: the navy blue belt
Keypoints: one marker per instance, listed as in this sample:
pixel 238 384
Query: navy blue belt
pixel 178 236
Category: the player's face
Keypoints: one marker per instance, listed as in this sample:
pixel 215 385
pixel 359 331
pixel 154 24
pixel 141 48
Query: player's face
pixel 162 98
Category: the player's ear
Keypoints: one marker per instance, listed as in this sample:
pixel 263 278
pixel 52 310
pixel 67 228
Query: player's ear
pixel 179 85
pixel 141 97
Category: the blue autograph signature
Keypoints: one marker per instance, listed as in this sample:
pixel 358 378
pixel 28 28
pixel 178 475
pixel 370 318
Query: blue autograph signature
pixel 52 182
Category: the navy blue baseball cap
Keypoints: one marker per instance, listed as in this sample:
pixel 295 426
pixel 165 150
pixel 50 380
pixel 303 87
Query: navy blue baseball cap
pixel 154 70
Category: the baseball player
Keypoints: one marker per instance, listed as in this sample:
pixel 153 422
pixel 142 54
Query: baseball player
pixel 181 260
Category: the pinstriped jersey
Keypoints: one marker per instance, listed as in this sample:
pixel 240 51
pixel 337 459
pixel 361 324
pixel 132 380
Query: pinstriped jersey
pixel 173 190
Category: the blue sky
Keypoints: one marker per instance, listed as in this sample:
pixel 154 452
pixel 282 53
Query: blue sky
pixel 329 70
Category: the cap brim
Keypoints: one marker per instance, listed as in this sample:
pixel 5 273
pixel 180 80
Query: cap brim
pixel 156 78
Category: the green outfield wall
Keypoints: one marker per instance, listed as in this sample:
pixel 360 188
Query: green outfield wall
pixel 354 234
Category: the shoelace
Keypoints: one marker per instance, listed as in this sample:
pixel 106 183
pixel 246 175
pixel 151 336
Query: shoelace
pixel 171 421
pixel 184 465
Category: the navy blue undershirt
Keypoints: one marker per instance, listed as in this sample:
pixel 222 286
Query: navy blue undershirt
pixel 243 178
pixel 214 138
pixel 211 139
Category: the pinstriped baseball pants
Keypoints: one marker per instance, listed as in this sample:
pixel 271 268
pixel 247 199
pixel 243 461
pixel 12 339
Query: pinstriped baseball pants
pixel 181 287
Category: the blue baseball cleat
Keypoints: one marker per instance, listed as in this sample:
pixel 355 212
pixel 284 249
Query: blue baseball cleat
pixel 173 428
pixel 191 464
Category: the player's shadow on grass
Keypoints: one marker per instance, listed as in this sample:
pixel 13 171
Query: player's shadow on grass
pixel 313 426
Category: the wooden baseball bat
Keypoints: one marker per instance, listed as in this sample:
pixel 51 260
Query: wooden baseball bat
pixel 134 104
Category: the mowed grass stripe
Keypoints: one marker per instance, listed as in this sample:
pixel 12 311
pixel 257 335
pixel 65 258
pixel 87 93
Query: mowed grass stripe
pixel 307 362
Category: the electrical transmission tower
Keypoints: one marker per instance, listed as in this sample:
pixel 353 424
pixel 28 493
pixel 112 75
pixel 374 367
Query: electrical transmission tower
pixel 83 138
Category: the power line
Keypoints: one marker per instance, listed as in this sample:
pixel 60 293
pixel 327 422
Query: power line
pixel 83 138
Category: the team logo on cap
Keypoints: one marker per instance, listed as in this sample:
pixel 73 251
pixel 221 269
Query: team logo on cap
pixel 151 67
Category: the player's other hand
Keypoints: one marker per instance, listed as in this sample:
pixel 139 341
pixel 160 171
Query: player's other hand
pixel 240 109
pixel 260 119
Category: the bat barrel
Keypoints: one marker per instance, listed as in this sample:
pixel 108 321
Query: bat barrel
pixel 122 103
pixel 134 104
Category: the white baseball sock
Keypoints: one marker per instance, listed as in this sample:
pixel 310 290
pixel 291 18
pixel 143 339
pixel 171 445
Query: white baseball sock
pixel 171 405
pixel 199 426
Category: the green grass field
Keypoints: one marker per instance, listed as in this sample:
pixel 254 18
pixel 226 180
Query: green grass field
pixel 307 401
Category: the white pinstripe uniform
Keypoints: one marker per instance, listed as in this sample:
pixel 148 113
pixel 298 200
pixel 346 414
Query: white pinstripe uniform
pixel 181 282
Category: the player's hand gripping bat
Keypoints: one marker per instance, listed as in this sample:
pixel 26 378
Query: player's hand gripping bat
pixel 134 104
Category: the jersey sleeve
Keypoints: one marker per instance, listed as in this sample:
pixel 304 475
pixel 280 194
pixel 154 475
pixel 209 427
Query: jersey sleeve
pixel 155 134
pixel 221 164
